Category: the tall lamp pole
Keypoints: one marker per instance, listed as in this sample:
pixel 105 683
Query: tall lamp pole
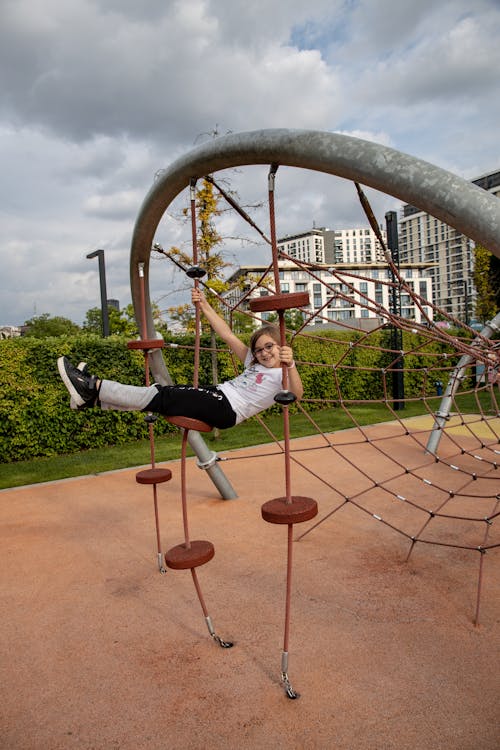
pixel 104 295
pixel 398 385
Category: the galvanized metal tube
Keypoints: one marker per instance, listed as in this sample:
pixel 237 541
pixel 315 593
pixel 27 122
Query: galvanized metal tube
pixel 456 377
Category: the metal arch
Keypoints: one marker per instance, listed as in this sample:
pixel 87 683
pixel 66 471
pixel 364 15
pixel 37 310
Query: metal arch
pixel 464 206
pixel 457 202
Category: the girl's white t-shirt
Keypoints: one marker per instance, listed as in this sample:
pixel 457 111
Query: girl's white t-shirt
pixel 253 390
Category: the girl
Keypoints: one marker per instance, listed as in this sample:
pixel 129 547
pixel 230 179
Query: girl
pixel 220 406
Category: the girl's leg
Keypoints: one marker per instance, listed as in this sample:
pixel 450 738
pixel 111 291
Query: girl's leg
pixel 113 395
pixel 87 390
pixel 206 403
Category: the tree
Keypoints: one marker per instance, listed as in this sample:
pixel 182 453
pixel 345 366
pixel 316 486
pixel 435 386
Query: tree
pixel 182 314
pixel 486 303
pixel 93 320
pixel 211 260
pixel 43 326
pixel 208 238
pixel 121 322
pixel 242 323
pixel 495 278
pixel 294 319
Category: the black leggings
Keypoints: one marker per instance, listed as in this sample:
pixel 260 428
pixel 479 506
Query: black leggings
pixel 206 403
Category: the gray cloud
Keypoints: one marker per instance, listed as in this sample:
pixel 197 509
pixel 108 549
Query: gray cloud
pixel 98 95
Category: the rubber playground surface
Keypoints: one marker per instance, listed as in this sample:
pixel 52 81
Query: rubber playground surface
pixel 100 651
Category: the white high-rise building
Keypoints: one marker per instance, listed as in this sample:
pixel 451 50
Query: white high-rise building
pixel 358 245
pixel 312 246
pixel 347 293
pixel 425 239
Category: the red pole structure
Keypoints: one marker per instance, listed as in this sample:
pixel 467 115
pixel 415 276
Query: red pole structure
pixel 194 238
pixel 281 316
pixel 193 554
pixel 152 476
pixel 146 358
pixel 285 510
pixel 150 420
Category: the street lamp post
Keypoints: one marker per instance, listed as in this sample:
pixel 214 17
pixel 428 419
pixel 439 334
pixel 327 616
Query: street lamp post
pixel 104 295
pixel 398 384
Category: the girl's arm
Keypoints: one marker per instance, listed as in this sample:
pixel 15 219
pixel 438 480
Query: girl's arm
pixel 219 325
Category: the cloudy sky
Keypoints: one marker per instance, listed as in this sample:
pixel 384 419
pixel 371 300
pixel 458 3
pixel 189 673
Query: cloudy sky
pixel 97 96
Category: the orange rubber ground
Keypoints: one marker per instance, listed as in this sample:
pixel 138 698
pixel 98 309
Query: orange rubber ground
pixel 100 651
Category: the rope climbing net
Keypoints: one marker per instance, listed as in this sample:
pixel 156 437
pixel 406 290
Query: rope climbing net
pixel 428 470
pixel 433 484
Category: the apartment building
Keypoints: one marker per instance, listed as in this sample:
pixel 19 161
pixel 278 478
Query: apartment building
pixel 347 293
pixel 322 245
pixel 425 239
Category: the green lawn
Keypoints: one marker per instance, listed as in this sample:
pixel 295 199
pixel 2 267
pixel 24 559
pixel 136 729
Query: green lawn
pixel 246 434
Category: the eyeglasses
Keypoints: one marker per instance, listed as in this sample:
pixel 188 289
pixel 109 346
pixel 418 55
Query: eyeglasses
pixel 265 348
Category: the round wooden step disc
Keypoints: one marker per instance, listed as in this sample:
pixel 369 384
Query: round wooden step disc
pixel 300 509
pixel 146 344
pixel 182 558
pixel 188 423
pixel 279 301
pixel 153 476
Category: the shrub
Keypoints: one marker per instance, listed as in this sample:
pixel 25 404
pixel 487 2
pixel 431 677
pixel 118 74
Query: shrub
pixel 35 419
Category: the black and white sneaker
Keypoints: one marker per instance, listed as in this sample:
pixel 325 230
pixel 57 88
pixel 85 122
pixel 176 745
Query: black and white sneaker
pixel 82 366
pixel 81 385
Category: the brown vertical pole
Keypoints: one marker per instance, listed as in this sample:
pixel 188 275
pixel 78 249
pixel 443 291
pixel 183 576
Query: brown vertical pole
pixel 194 238
pixel 286 432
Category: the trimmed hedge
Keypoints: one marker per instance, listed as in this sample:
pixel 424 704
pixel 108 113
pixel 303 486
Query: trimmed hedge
pixel 35 419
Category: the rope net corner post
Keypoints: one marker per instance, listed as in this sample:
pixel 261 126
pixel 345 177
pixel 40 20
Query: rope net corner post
pixel 153 476
pixel 286 510
pixel 193 554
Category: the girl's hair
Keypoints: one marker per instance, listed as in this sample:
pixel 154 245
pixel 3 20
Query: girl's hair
pixel 269 329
